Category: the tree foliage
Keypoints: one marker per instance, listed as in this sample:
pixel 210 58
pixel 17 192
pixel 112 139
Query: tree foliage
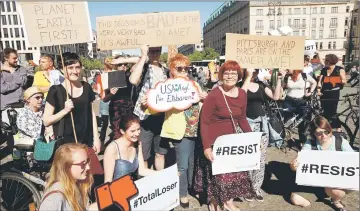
pixel 91 64
pixel 164 57
pixel 206 54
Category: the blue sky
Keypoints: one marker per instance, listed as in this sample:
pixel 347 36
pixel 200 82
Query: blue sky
pixel 97 9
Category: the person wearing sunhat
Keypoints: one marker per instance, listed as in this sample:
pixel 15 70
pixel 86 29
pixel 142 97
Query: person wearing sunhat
pixel 29 119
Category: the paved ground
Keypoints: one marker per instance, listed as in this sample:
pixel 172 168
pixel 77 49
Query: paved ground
pixel 277 182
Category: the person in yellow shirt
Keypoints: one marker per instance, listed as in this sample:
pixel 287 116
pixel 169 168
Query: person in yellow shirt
pixel 48 76
pixel 181 128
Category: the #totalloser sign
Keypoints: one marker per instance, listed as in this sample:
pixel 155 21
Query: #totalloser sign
pixel 178 93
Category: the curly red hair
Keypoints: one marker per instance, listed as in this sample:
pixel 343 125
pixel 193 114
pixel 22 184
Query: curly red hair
pixel 230 65
pixel 178 58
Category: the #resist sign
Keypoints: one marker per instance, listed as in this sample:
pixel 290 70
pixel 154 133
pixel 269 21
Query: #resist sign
pixel 153 29
pixel 161 195
pixel 310 48
pixel 259 51
pixel 56 23
pixel 236 152
pixel 328 169
pixel 178 93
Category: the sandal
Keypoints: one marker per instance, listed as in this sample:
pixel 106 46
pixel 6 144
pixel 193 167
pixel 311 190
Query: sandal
pixel 336 206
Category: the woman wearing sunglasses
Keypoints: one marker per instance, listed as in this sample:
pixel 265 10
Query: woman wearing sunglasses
pixel 124 156
pixel 323 139
pixel 68 185
pixel 29 119
pixel 181 128
pixel 120 98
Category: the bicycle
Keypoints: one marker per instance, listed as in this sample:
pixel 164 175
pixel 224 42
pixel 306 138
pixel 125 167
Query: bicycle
pixel 23 179
pixel 313 108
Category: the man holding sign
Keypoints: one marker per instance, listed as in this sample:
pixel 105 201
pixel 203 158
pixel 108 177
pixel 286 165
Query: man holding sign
pixel 335 175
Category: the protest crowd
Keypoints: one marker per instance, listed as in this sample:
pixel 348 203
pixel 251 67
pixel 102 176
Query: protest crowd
pixel 59 105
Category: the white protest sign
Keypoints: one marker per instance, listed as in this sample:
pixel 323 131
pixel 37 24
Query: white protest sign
pixel 310 48
pixel 236 152
pixel 328 169
pixel 178 93
pixel 56 23
pixel 159 191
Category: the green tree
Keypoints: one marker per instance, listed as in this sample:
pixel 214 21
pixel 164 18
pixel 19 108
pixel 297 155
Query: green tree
pixel 196 56
pixel 91 64
pixel 164 57
pixel 210 54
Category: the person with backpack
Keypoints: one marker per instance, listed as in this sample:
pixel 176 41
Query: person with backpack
pixel 151 72
pixel 332 79
pixel 325 140
pixel 296 84
pixel 257 93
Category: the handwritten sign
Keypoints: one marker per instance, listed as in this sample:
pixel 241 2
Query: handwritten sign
pixel 259 51
pixel 176 93
pixel 154 29
pixel 56 23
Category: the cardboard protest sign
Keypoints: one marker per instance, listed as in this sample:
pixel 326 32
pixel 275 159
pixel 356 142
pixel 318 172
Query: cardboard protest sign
pixel 178 93
pixel 154 29
pixel 236 152
pixel 161 195
pixel 56 23
pixel 310 48
pixel 260 51
pixel 328 169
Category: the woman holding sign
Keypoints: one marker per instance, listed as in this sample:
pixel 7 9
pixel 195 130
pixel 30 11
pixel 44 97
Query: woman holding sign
pixel 257 93
pixel 80 103
pixel 325 140
pixel 223 109
pixel 181 128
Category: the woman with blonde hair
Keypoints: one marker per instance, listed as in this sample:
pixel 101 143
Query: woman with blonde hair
pixel 68 185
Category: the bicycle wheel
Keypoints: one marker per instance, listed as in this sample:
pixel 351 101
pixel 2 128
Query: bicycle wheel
pixel 351 118
pixel 346 132
pixel 18 193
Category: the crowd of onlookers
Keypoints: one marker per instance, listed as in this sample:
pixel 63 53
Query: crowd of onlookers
pixel 59 105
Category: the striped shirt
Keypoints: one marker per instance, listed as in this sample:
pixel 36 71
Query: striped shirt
pixel 154 78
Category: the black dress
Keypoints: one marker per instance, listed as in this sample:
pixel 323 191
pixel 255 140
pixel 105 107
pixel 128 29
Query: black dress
pixel 82 113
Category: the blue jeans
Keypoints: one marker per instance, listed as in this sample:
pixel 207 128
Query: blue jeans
pixel 184 150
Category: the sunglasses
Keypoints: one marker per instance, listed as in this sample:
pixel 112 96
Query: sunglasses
pixel 83 164
pixel 321 133
pixel 182 68
pixel 39 97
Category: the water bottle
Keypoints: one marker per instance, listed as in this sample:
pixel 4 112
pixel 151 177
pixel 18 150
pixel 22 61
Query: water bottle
pixel 290 121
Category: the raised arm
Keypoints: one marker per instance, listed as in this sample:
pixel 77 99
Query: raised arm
pixel 137 69
pixel 249 75
pixel 275 94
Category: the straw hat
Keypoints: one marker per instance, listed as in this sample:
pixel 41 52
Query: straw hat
pixel 31 92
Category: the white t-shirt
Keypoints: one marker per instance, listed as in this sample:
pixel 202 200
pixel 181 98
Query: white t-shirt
pixel 56 77
pixel 296 89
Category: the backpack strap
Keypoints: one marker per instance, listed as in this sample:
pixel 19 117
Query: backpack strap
pixel 338 142
pixel 304 76
pixel 49 193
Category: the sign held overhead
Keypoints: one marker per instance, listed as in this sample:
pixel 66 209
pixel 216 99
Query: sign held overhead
pixel 56 23
pixel 259 51
pixel 154 29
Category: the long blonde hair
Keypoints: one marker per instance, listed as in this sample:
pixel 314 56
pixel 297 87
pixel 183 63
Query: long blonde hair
pixel 60 172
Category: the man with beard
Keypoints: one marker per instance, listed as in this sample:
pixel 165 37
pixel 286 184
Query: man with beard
pixel 13 79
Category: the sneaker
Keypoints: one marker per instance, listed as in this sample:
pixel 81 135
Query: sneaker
pixel 259 198
pixel 249 199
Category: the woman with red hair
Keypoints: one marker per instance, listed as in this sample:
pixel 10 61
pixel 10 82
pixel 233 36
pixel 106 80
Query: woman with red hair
pixel 223 112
